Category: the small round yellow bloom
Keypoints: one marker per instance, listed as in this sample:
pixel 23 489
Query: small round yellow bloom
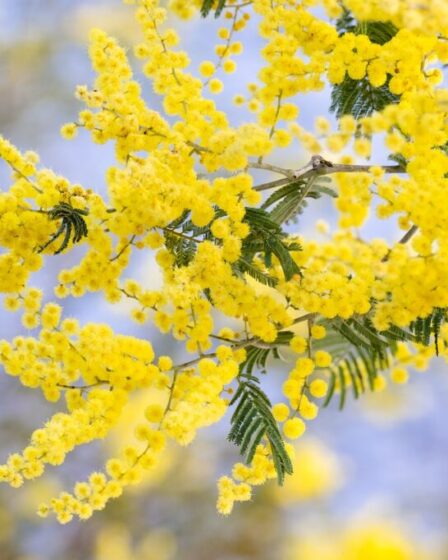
pixel 399 375
pixel 154 413
pixel 305 366
pixel 207 68
pixel 223 33
pixel 298 344
pixel 69 131
pixel 236 48
pixel 322 358
pixel 165 363
pixel 229 66
pixel 291 388
pixel 280 412
pixel 318 388
pixel 318 332
pixel 294 428
pixel 139 315
pixel 379 383
pixel 215 85
pixel 362 147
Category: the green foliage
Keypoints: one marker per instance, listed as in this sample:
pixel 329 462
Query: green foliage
pixel 251 421
pixel 72 221
pixel 358 97
pixel 291 199
pixel 242 266
pixel 379 32
pixel 267 238
pixel 258 353
pixel 207 7
pixel 182 249
pixel 182 236
pixel 400 159
pixel 426 328
pixel 346 23
pixel 360 352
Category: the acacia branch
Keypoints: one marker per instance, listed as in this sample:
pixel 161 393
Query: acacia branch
pixel 320 166
pixel 123 249
pixel 406 237
pixel 280 170
pixel 410 233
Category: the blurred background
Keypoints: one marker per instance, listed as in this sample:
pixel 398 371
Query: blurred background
pixel 371 482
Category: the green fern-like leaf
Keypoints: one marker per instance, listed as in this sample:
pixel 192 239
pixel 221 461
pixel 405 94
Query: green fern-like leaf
pixel 207 7
pixel 252 421
pixel 358 97
pixel 257 355
pixel 242 266
pixel 346 22
pixel 267 239
pixel 359 352
pixel 183 250
pixel 426 328
pixel 379 32
pixel 291 199
pixel 72 225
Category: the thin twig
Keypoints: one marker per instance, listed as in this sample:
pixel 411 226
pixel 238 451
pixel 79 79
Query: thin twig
pixel 227 45
pixel 306 317
pixel 32 183
pixel 237 6
pixel 123 249
pixel 182 235
pixel 406 237
pixel 83 388
pixel 280 170
pixel 320 166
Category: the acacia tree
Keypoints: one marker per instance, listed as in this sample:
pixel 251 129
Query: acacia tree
pixel 350 310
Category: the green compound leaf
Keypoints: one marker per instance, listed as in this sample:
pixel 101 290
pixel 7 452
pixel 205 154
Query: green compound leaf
pixel 72 222
pixel 266 239
pixel 258 354
pixel 360 353
pixel 207 7
pixel 291 199
pixel 358 97
pixel 242 266
pixel 251 421
pixel 429 327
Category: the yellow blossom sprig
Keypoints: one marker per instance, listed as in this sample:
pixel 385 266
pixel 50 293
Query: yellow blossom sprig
pixel 163 172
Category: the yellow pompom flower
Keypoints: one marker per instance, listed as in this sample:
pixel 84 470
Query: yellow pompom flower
pixel 215 85
pixel 298 344
pixel 280 412
pixel 399 375
pixel 229 66
pixel 318 332
pixel 69 131
pixel 165 363
pixel 318 388
pixel 294 428
pixel 322 358
pixel 207 68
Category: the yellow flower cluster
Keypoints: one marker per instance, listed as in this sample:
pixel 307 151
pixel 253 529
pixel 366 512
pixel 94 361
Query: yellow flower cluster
pixel 183 190
pixel 239 487
pixel 430 16
pixel 366 537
